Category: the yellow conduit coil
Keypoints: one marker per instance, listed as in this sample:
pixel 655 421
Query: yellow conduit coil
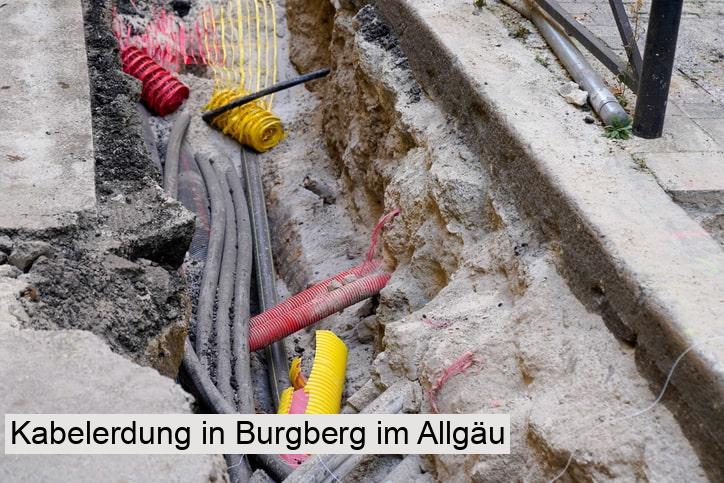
pixel 240 45
pixel 285 400
pixel 251 124
pixel 326 380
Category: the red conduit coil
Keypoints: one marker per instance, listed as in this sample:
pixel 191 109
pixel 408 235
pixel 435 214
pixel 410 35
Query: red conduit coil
pixel 365 268
pixel 162 92
pixel 261 335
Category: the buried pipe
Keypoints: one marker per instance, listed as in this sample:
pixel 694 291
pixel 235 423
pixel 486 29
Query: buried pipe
pixel 240 327
pixel 225 292
pixel 238 467
pixel 149 137
pixel 603 102
pixel 318 468
pixel 162 92
pixel 315 291
pixel 261 335
pixel 173 151
pixel 265 273
pixel 210 278
pixel 322 392
pixel 367 267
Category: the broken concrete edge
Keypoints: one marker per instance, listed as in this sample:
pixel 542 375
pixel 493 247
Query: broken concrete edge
pixel 75 371
pixel 616 235
pixel 51 226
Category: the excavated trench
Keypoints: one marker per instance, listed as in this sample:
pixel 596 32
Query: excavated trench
pixel 472 279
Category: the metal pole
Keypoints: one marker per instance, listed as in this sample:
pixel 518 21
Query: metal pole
pixel 601 99
pixel 655 80
pixel 627 37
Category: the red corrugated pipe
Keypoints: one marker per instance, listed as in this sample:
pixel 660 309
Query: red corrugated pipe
pixel 317 302
pixel 261 335
pixel 361 270
pixel 162 92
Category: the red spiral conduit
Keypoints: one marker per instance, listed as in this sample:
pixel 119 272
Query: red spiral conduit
pixel 162 92
pixel 261 335
pixel 365 268
pixel 313 292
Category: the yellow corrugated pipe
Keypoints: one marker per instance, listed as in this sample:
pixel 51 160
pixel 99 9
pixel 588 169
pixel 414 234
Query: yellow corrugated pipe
pixel 285 400
pixel 326 381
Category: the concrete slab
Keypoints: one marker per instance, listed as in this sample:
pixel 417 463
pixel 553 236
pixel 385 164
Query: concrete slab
pixel 689 177
pixel 46 145
pixel 618 233
pixel 75 372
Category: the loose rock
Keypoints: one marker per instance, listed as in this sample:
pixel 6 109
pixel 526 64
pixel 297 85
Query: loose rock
pixel 573 94
pixel 9 271
pixel 25 253
pixel 6 244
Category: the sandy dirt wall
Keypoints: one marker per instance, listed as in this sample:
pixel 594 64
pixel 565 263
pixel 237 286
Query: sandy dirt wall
pixel 470 275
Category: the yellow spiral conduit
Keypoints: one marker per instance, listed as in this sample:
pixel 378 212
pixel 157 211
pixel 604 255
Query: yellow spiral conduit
pixel 326 381
pixel 250 124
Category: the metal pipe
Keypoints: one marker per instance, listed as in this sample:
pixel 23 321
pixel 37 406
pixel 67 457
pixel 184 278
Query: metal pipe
pixel 265 273
pixel 603 102
pixel 597 47
pixel 658 64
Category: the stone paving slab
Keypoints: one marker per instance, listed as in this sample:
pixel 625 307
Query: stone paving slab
pixel 618 233
pixel 702 176
pixel 46 145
